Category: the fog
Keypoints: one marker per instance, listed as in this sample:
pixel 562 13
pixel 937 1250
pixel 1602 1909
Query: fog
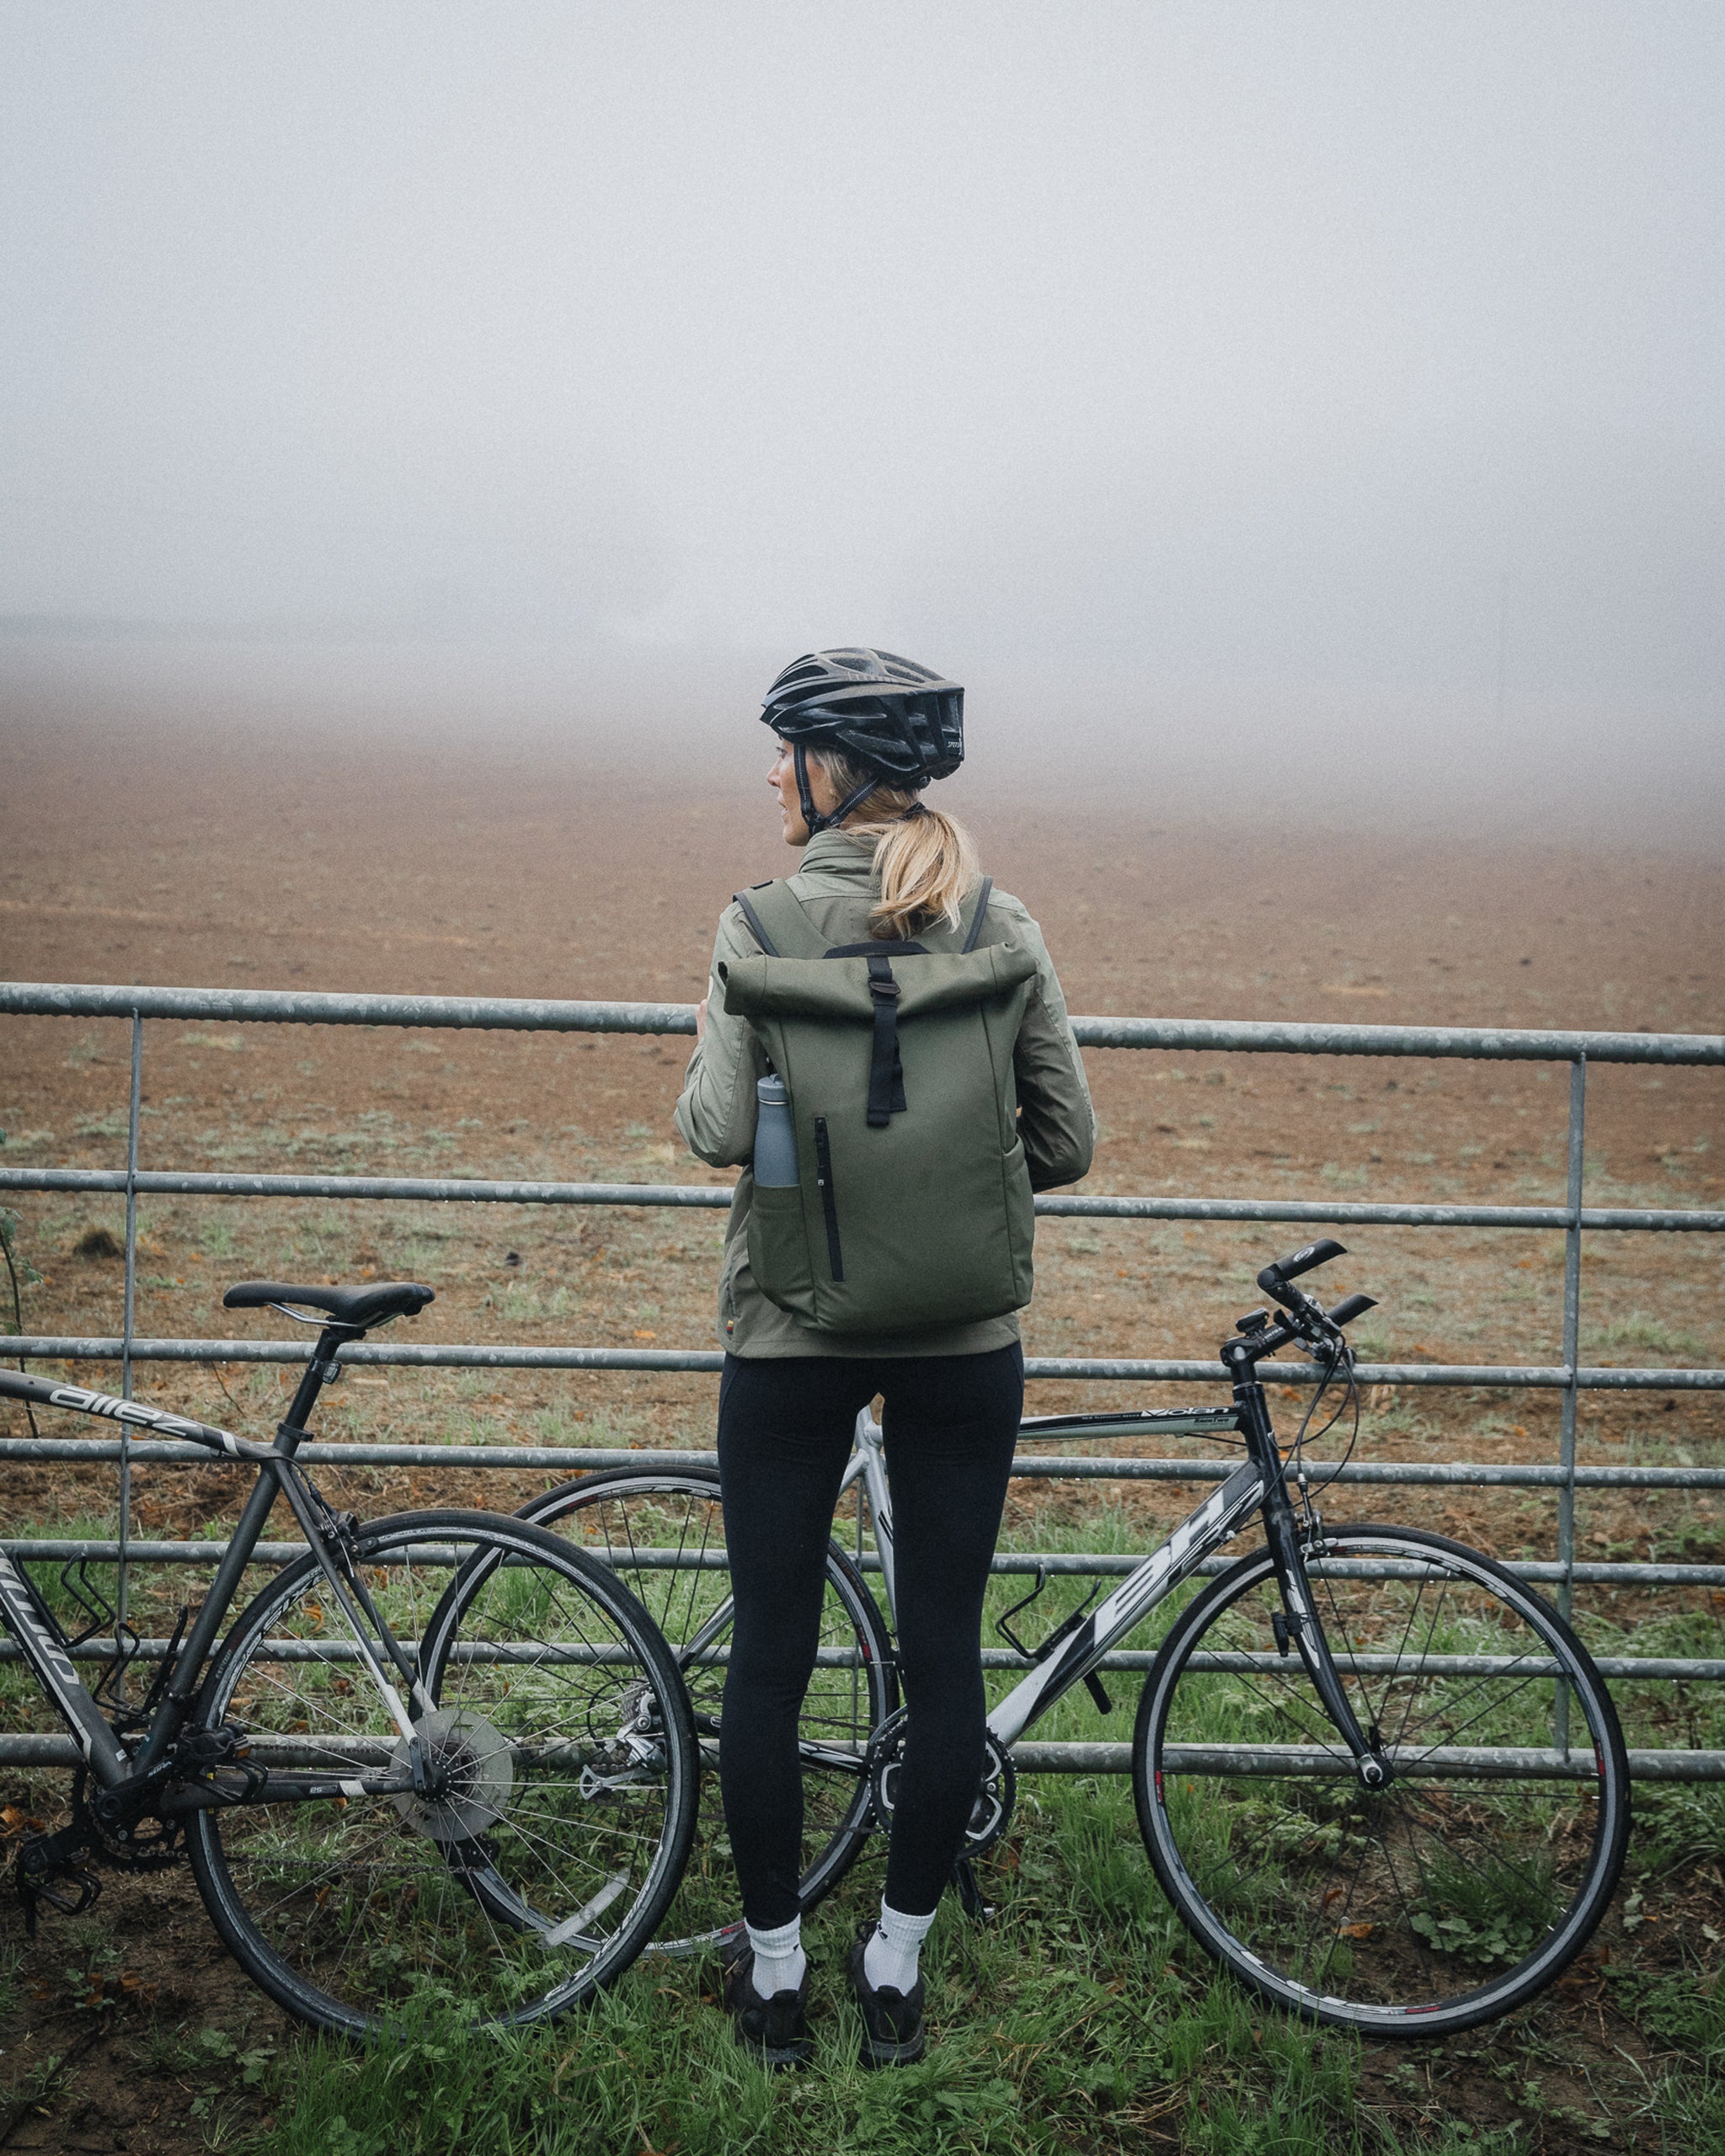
pixel 1313 408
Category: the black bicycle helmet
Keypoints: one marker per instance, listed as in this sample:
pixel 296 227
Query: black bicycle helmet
pixel 902 722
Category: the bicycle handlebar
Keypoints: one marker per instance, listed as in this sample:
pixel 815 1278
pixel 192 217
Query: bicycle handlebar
pixel 1275 1277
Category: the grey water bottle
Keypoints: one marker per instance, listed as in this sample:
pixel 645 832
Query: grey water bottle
pixel 775 1135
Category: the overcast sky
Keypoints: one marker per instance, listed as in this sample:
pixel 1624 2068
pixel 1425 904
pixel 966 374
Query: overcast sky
pixel 1348 366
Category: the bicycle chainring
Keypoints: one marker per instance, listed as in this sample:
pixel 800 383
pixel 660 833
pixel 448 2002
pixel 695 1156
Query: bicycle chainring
pixel 997 1791
pixel 142 1843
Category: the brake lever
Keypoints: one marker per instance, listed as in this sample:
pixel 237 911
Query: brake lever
pixel 1312 1325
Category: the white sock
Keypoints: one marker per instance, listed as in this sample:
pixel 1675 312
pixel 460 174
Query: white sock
pixel 779 1959
pixel 891 1955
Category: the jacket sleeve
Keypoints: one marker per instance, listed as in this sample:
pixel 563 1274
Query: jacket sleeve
pixel 715 1113
pixel 1055 1119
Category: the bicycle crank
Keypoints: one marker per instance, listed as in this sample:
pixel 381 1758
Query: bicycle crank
pixel 996 1790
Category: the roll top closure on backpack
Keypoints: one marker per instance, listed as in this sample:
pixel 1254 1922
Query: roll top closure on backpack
pixel 842 987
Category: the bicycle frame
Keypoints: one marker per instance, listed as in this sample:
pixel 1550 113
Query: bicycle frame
pixel 26 1616
pixel 1074 1650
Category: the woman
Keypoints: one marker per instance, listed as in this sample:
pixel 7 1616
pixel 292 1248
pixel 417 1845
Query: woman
pixel 860 735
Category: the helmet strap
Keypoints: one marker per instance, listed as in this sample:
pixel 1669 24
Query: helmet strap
pixel 812 822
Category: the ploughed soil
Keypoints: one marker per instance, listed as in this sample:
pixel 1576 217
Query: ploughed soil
pixel 501 870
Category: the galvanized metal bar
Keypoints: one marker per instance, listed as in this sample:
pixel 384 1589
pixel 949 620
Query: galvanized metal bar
pixel 435 1189
pixel 1471 1042
pixel 79 1348
pixel 1082 1564
pixel 579 1459
pixel 134 1116
pixel 1571 1330
pixel 292 1007
pixel 465 1190
pixel 1331 1213
pixel 277 1006
pixel 1672 1766
pixel 1123 1661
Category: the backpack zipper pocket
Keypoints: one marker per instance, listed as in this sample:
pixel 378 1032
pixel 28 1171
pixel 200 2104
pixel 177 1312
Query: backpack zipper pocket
pixel 829 1200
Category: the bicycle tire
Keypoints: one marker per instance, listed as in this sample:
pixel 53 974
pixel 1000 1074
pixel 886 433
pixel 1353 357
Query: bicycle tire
pixel 357 1911
pixel 621 1515
pixel 1387 1912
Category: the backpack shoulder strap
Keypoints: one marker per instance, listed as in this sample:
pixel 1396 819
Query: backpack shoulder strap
pixel 757 927
pixel 778 923
pixel 980 914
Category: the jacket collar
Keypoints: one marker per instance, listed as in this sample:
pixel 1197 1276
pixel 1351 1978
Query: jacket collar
pixel 839 853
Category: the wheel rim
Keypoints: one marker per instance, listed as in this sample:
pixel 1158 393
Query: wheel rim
pixel 1464 1887
pixel 559 1810
pixel 664 1537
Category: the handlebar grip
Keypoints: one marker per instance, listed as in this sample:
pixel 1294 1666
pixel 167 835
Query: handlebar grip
pixel 1351 1307
pixel 1277 1276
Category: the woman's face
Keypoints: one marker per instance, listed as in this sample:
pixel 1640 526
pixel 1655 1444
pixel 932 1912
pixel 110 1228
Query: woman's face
pixel 782 779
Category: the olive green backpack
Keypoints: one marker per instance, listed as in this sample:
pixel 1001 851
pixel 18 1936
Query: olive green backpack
pixel 912 1206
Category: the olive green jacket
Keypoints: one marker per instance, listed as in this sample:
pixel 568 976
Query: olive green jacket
pixel 716 1112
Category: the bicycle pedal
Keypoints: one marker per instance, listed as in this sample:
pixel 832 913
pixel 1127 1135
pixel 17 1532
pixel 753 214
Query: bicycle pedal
pixel 67 1888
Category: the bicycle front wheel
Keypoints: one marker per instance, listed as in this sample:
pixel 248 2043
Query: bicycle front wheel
pixel 1446 1898
pixel 661 1531
pixel 563 1782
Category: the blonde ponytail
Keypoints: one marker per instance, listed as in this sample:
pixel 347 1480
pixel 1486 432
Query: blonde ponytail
pixel 926 861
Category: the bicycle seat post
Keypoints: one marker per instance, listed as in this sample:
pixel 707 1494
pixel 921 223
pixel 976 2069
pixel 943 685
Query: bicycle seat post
pixel 323 1369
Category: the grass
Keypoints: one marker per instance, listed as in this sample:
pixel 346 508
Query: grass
pixel 1642 1332
pixel 1684 2011
pixel 1080 2019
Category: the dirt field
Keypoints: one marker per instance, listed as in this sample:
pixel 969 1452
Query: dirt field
pixel 286 862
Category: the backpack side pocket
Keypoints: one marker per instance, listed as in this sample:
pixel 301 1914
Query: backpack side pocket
pixel 778 1249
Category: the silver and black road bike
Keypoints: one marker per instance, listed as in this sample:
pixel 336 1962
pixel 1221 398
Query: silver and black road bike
pixel 1378 1776
pixel 442 1759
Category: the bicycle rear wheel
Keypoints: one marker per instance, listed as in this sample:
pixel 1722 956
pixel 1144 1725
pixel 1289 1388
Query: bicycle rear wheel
pixel 662 1532
pixel 1445 1899
pixel 566 1766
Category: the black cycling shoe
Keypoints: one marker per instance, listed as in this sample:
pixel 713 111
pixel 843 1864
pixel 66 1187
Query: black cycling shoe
pixel 893 2034
pixel 776 2028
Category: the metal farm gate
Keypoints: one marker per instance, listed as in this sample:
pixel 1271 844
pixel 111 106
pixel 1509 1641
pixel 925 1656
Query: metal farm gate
pixel 1572 1218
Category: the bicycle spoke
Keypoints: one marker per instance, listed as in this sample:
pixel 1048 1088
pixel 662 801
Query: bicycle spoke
pixel 1433 1898
pixel 355 1905
pixel 661 1532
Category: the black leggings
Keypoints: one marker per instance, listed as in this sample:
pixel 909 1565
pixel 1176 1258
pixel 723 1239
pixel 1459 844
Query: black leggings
pixel 784 1435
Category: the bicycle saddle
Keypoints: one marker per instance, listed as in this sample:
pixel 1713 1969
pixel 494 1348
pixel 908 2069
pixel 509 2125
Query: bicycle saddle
pixel 369 1305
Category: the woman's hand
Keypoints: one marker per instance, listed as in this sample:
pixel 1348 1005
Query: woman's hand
pixel 700 1018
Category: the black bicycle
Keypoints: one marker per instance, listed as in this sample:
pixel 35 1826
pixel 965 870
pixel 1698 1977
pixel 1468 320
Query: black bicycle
pixel 1378 1776
pixel 443 1758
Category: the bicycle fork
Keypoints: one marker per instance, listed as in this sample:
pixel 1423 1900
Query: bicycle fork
pixel 1300 1622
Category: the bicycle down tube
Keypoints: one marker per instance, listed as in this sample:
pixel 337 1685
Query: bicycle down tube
pixel 1076 1650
